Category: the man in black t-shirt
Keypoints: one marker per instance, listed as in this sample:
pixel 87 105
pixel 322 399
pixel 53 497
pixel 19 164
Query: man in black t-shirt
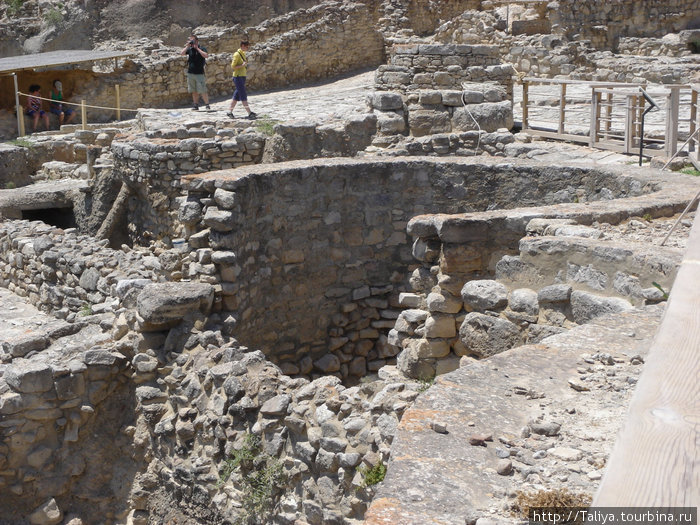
pixel 196 82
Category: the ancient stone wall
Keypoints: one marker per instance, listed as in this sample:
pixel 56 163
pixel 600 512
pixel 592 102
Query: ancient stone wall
pixel 68 275
pixel 331 240
pixel 443 89
pixel 475 296
pixel 604 23
pixel 153 166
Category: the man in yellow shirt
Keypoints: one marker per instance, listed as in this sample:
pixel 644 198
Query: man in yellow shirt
pixel 240 65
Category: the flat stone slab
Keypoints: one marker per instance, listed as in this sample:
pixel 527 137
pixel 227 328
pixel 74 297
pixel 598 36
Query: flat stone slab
pixel 438 477
pixel 48 194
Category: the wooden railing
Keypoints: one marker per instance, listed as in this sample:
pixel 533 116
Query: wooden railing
pixel 612 117
pixel 694 143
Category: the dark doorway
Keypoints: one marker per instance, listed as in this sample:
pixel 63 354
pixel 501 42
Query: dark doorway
pixel 59 217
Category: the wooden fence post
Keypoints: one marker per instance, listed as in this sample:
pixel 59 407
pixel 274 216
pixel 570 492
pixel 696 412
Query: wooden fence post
pixel 119 111
pixel 83 112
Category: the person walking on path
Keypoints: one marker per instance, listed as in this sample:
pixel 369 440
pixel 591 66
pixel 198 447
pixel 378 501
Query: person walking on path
pixel 240 70
pixel 196 82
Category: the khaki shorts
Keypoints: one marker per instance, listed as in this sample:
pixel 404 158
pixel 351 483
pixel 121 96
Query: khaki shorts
pixel 196 83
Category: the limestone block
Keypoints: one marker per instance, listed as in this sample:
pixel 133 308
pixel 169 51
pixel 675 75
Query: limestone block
pixel 190 212
pixel 452 98
pixel 410 300
pixel 166 302
pixel 46 514
pixel 29 376
pixel 411 365
pixel 427 348
pixel 414 316
pixel 555 293
pixel 385 100
pixel 491 116
pixel 21 345
pixel 328 363
pixel 429 97
pixel 277 406
pixel 443 302
pixel 422 280
pixel 391 122
pixel 426 250
pixel 437 325
pixel 484 294
pixel 219 220
pixel 89 279
pixel 586 306
pixel 423 122
pixel 484 335
pixel 524 300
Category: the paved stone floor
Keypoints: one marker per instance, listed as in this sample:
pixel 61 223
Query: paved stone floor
pixel 320 102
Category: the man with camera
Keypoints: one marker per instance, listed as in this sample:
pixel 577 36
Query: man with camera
pixel 196 82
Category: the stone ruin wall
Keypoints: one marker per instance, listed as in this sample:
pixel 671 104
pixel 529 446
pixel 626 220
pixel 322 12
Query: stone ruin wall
pixel 442 89
pixel 153 396
pixel 343 263
pixel 604 23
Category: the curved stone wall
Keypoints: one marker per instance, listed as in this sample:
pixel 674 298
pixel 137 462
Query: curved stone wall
pixel 310 257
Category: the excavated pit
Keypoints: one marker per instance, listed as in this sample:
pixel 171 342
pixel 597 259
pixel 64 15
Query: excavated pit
pixel 311 257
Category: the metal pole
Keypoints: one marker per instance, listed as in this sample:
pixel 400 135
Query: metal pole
pixel 83 112
pixel 119 111
pixel 20 114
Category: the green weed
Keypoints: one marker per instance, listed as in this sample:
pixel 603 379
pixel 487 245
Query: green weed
pixel 373 475
pixel 86 310
pixel 13 6
pixel 425 382
pixel 691 171
pixel 262 478
pixel 647 217
pixel 53 17
pixel 266 125
pixel 22 143
pixel 657 285
pixel 10 185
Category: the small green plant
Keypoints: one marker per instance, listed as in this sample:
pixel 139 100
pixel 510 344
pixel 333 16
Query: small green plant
pixel 657 285
pixel 86 310
pixel 22 143
pixel 266 125
pixel 691 171
pixel 373 475
pixel 425 382
pixel 647 217
pixel 10 185
pixel 53 17
pixel 13 6
pixel 262 478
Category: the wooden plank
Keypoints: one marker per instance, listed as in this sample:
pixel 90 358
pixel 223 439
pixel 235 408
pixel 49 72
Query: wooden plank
pixel 562 108
pixel 525 103
pixel 656 460
pixel 693 116
pixel 608 113
pixel 672 111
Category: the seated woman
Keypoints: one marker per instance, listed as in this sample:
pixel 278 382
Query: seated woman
pixel 64 112
pixel 33 108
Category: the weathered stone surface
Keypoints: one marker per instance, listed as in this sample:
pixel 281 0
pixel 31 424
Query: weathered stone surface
pixel 277 406
pixel 524 300
pixel 484 335
pixel 484 295
pixel 586 306
pixel 166 302
pixel 47 514
pixel 443 302
pixel 555 293
pixel 29 376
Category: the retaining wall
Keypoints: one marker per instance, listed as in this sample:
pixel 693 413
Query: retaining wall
pixel 308 247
